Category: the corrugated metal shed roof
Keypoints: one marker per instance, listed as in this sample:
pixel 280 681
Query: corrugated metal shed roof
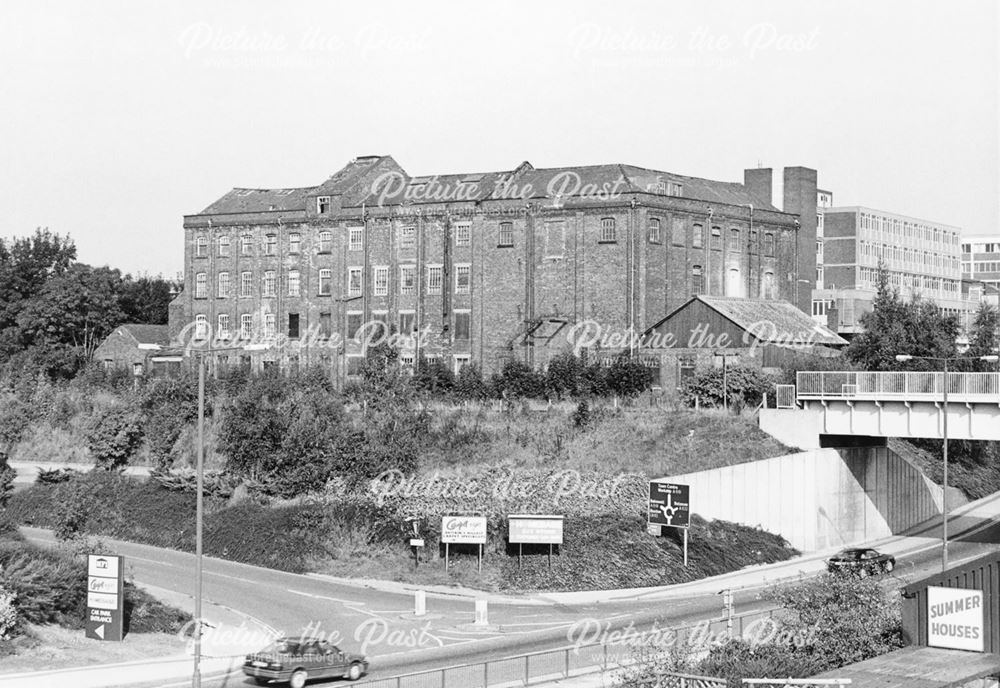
pixel 918 667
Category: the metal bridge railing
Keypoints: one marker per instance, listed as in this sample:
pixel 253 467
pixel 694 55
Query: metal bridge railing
pixel 896 385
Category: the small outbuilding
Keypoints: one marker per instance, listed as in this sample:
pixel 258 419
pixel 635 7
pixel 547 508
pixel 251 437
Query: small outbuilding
pixel 706 330
pixel 132 346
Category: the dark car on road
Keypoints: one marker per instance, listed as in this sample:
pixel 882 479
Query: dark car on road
pixel 297 660
pixel 863 562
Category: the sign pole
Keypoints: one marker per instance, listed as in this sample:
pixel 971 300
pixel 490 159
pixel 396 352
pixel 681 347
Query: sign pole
pixel 446 564
pixel 199 508
pixel 480 558
pixel 520 553
pixel 685 547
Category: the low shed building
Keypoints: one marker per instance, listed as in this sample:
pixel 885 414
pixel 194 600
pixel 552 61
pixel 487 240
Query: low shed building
pixel 131 346
pixel 707 330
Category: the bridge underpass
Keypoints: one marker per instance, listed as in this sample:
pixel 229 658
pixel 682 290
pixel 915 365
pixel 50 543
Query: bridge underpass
pixel 853 407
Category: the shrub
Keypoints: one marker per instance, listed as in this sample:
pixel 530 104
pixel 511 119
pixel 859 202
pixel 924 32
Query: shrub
pixel 49 587
pixel 517 379
pixel 581 416
pixel 54 476
pixel 7 475
pixel 9 618
pixel 113 437
pixel 146 614
pixel 745 385
pixel 469 384
pixel 739 659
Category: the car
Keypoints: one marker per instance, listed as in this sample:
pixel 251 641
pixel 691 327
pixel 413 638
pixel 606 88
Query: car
pixel 297 660
pixel 861 561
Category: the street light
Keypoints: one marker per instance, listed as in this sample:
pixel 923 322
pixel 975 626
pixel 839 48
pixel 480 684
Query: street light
pixel 944 495
pixel 199 500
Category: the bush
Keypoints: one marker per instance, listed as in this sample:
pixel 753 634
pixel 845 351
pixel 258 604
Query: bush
pixel 113 437
pixel 517 379
pixel 10 620
pixel 49 587
pixel 745 385
pixel 7 475
pixel 54 476
pixel 739 659
pixel 146 614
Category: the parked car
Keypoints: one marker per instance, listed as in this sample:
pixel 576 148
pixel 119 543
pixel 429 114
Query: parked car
pixel 297 660
pixel 861 561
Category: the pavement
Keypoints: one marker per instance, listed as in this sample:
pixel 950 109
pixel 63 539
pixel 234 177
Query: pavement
pixel 518 623
pixel 26 471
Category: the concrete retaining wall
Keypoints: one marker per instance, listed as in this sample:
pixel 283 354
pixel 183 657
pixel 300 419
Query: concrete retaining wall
pixel 818 499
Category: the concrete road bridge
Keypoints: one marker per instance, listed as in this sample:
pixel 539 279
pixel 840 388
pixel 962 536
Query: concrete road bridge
pixel 841 408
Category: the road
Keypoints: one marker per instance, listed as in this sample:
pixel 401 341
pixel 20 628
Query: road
pixel 380 623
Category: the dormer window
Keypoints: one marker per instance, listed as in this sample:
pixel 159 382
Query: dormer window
pixel 322 205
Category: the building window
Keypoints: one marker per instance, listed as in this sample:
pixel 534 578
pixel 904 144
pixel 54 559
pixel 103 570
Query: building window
pixel 608 230
pixel 381 287
pixel 354 281
pixel 407 322
pixel 223 246
pixel 678 232
pixel 222 326
pixel 697 236
pixel 270 284
pixel 294 242
pixel 246 284
pixel 270 326
pixel 271 245
pixel 654 230
pixel 200 326
pixel 322 205
pixel 697 280
pixel 463 324
pixel 406 360
pixel 753 241
pixel 294 283
pixel 716 241
pixel 407 279
pixel 353 324
pixel 676 189
pixel 325 242
pixel 223 285
pixel 201 286
pixel 767 285
pixel 434 279
pixel 293 325
pixel 463 279
pixel 555 239
pixel 325 325
pixel 325 281
pixel 355 238
pixel 734 239
pixel 463 234
pixel 819 277
pixel 768 244
pixel 246 245
pixel 246 326
pixel 407 238
pixel 461 362
pixel 201 246
pixel 506 237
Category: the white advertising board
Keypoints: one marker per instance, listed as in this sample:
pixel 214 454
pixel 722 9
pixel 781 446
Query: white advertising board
pixel 535 529
pixel 463 530
pixel 955 618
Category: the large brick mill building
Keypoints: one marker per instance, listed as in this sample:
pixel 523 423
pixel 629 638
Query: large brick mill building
pixel 489 266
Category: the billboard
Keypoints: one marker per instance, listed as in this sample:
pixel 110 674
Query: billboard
pixel 955 618
pixel 535 529
pixel 470 530
pixel 105 597
pixel 669 504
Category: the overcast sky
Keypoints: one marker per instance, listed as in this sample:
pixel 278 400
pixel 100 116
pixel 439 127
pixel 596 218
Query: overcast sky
pixel 120 117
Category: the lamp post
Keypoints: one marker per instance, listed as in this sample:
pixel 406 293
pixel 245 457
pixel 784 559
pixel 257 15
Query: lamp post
pixel 199 500
pixel 944 428
pixel 725 377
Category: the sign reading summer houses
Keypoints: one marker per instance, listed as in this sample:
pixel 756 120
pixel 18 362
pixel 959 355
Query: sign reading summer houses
pixel 955 618
pixel 105 597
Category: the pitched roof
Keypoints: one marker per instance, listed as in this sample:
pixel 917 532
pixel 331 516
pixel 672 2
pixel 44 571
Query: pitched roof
pixel 777 322
pixel 773 321
pixel 260 200
pixel 148 334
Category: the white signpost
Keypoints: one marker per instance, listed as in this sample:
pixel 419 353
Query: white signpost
pixel 463 530
pixel 105 597
pixel 955 618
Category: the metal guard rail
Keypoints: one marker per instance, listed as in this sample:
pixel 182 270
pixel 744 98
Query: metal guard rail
pixel 896 385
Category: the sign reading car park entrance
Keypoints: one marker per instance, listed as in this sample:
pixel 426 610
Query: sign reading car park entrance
pixel 668 504
pixel 105 597
pixel 955 618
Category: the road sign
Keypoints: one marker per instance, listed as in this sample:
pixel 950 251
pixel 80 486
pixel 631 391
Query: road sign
pixel 532 529
pixel 955 618
pixel 668 504
pixel 105 597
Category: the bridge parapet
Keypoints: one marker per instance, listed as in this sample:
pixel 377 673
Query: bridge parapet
pixel 896 386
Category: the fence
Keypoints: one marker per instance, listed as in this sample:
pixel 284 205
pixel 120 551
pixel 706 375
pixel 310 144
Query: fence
pixel 784 396
pixel 902 385
pixel 576 660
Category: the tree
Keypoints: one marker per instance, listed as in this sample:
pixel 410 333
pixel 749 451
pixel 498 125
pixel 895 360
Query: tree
pixel 113 437
pixel 146 300
pixel 984 337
